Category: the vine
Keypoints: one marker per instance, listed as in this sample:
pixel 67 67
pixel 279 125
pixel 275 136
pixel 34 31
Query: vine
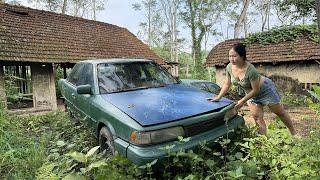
pixel 282 34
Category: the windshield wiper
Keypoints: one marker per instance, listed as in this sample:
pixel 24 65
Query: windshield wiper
pixel 131 89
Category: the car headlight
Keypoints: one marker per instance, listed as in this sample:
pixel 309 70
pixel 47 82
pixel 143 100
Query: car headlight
pixel 231 113
pixel 158 136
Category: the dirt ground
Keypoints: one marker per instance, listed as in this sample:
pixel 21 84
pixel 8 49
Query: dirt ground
pixel 304 119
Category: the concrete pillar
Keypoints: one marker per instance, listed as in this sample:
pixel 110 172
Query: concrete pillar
pixel 3 97
pixel 43 86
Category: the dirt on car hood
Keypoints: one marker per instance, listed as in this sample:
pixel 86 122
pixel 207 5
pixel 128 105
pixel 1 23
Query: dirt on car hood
pixel 164 104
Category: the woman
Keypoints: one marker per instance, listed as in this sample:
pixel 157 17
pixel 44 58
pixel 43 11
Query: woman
pixel 260 90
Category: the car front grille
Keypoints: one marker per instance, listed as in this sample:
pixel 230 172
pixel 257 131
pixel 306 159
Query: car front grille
pixel 201 127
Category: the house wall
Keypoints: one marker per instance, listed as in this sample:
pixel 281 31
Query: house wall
pixel 304 73
pixel 43 83
pixel 3 98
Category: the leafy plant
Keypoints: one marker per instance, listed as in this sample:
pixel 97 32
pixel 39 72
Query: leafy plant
pixel 58 148
pixel 295 99
pixel 282 34
pixel 316 94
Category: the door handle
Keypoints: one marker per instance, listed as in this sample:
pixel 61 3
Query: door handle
pixel 73 95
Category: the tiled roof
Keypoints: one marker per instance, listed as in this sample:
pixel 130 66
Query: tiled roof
pixel 300 50
pixel 39 36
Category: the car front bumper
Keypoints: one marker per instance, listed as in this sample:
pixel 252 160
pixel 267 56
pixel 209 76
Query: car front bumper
pixel 141 155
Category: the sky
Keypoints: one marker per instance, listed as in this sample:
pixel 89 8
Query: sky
pixel 121 13
pixel 117 12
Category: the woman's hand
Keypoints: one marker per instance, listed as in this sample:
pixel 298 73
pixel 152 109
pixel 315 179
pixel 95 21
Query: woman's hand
pixel 214 99
pixel 239 104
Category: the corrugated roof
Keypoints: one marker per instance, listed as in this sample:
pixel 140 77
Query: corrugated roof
pixel 40 36
pixel 301 50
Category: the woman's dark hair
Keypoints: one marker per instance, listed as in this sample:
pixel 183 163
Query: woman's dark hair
pixel 241 50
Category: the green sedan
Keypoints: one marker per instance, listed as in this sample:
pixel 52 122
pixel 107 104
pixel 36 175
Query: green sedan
pixel 135 107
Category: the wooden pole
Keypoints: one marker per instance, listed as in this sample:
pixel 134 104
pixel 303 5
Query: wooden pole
pixel 318 18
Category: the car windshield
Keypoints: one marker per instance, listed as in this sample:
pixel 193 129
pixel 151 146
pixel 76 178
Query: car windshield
pixel 118 77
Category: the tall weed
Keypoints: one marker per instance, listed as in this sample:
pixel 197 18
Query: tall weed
pixel 54 147
pixel 20 153
pixel 316 94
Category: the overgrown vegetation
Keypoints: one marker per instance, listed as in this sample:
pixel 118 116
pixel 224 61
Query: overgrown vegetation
pixel 316 94
pixel 54 147
pixel 18 86
pixel 282 34
pixel 292 99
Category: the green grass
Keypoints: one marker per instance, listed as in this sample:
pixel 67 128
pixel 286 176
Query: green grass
pixel 26 142
pixel 51 147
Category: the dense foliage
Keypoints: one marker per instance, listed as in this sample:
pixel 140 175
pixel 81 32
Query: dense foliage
pixel 282 34
pixel 53 146
pixel 303 8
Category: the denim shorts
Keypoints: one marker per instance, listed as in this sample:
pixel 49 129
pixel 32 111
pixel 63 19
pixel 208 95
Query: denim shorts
pixel 267 95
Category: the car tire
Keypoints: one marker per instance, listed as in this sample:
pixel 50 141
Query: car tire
pixel 106 142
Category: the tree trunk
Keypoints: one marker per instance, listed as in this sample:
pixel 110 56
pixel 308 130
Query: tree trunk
pixel 262 20
pixel 318 18
pixel 64 7
pixel 265 11
pixel 94 9
pixel 241 18
pixel 193 29
pixel 149 24
pixel 245 27
pixel 175 35
pixel 268 13
pixel 197 54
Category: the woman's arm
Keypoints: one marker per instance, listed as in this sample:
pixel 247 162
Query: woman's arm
pixel 225 87
pixel 255 84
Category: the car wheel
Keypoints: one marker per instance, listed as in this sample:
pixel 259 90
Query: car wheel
pixel 106 142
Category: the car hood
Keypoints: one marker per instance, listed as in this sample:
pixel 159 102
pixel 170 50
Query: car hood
pixel 164 104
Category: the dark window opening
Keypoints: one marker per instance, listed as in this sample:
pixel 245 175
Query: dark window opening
pixel 17 13
pixel 18 87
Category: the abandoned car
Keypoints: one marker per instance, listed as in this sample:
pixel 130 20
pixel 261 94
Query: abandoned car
pixel 135 107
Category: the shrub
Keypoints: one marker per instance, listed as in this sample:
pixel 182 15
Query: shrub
pixel 291 99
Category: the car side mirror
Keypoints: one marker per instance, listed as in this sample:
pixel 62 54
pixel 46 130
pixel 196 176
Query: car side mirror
pixel 84 89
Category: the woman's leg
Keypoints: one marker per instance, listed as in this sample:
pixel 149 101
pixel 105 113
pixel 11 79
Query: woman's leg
pixel 257 114
pixel 283 115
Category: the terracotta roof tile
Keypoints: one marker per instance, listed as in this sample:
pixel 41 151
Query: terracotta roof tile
pixel 300 50
pixel 39 36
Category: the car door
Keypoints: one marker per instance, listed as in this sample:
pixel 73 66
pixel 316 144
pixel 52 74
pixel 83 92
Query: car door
pixel 84 101
pixel 69 89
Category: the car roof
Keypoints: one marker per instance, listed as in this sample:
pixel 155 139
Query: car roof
pixel 114 60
